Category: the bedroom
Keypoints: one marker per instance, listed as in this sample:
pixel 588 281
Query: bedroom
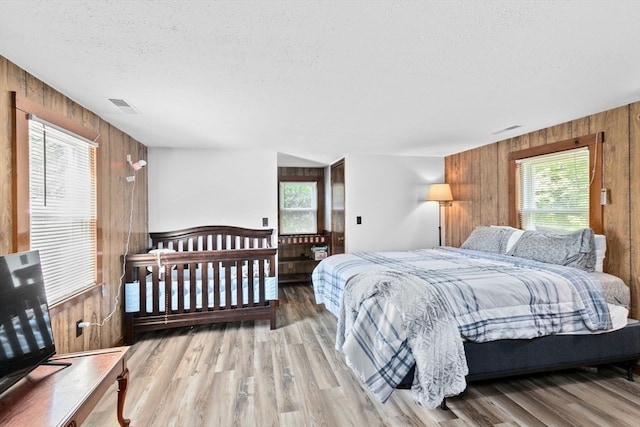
pixel 480 193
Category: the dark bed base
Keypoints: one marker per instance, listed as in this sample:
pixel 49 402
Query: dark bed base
pixel 517 357
pixel 505 358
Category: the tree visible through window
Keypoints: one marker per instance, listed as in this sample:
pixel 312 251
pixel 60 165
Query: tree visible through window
pixel 553 190
pixel 298 207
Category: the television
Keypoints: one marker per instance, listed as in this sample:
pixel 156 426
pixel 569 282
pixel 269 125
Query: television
pixel 26 338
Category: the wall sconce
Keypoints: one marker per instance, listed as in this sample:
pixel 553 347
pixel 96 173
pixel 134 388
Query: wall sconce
pixel 440 193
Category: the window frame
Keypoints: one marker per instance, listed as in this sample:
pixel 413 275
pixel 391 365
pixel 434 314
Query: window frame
pixel 21 197
pixel 593 143
pixel 319 201
pixel 532 209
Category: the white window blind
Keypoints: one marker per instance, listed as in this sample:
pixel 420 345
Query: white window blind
pixel 62 193
pixel 298 208
pixel 553 190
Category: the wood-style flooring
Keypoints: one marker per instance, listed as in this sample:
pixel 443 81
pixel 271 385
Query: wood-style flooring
pixel 243 374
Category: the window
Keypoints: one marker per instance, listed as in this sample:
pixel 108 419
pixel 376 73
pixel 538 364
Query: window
pixel 553 190
pixel 298 207
pixel 557 185
pixel 62 197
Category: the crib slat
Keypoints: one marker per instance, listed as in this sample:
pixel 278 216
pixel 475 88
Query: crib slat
pixel 180 288
pixel 238 266
pixel 155 294
pixel 216 285
pixel 204 274
pixel 166 308
pixel 250 278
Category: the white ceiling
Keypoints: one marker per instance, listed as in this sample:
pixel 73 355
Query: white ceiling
pixel 316 80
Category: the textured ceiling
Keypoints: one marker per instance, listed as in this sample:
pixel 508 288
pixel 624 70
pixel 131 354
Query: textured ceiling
pixel 318 80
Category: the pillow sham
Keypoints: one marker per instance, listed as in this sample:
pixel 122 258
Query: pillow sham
pixel 514 236
pixel 576 249
pixel 600 244
pixel 488 239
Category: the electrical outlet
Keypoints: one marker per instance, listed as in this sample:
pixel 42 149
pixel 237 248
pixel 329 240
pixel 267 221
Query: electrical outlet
pixel 78 328
pixel 265 222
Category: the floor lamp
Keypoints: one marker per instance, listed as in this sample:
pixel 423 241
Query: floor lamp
pixel 440 193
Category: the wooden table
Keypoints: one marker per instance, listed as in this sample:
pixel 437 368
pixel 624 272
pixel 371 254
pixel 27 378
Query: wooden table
pixel 64 396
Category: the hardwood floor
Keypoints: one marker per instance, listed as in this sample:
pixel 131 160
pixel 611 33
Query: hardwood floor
pixel 246 375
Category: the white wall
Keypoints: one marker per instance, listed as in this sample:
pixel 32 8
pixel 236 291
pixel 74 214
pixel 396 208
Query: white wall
pixel 389 193
pixel 191 187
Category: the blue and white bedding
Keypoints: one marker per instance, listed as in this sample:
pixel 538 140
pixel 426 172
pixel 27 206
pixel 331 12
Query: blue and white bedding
pixel 490 296
pixel 389 321
pixel 132 292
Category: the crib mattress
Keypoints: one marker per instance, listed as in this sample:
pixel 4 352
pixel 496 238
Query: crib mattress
pixel 132 294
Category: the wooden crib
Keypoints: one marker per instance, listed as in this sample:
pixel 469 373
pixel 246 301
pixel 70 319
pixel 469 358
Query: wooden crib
pixel 218 274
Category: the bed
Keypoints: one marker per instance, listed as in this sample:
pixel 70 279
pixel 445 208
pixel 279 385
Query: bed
pixel 507 302
pixel 217 274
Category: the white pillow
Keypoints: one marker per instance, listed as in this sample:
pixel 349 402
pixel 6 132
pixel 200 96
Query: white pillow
pixel 517 233
pixel 601 250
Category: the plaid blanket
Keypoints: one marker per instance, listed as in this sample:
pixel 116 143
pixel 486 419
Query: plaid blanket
pixel 490 297
pixel 388 321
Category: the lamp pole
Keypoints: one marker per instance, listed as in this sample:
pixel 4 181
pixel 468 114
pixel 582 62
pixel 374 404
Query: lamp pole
pixel 440 193
pixel 439 223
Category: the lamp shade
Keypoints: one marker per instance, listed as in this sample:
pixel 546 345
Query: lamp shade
pixel 439 193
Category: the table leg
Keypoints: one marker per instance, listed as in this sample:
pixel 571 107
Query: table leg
pixel 123 380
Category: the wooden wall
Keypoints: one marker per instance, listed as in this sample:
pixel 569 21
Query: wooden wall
pixel 479 182
pixel 114 205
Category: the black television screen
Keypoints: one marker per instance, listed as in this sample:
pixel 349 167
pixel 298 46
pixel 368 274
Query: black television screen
pixel 26 338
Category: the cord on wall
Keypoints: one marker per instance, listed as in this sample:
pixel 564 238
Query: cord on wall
pixel 126 249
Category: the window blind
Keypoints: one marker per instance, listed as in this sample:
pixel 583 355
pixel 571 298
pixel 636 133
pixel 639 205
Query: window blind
pixel 553 190
pixel 62 192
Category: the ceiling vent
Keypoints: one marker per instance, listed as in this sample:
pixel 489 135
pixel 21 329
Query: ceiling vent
pixel 124 106
pixel 506 129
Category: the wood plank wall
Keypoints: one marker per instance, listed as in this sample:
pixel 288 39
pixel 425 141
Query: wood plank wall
pixel 114 204
pixel 480 185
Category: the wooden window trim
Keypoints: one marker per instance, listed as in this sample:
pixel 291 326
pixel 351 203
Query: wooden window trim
pixel 592 142
pixel 21 213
